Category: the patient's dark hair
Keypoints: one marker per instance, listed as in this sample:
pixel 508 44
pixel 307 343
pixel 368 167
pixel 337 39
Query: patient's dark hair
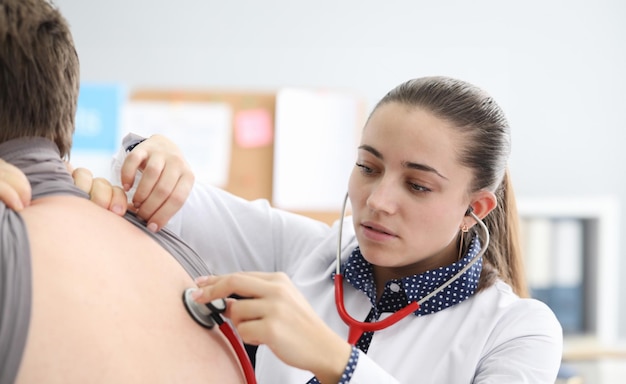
pixel 39 73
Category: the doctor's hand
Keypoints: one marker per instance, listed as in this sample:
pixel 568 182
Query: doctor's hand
pixel 100 190
pixel 165 183
pixel 276 314
pixel 15 190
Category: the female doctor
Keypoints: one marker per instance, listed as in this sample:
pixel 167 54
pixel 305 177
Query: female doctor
pixel 433 221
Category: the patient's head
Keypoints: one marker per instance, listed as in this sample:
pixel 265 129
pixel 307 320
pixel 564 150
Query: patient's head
pixel 39 73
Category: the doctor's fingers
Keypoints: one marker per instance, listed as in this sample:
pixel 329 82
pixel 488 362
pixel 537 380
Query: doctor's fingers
pixel 167 196
pixel 101 191
pixel 132 164
pixel 257 322
pixel 108 196
pixel 154 150
pixel 15 190
pixel 151 168
pixel 291 329
pixel 242 279
pixel 243 284
pixel 243 310
pixel 10 197
pixel 83 179
pixel 203 281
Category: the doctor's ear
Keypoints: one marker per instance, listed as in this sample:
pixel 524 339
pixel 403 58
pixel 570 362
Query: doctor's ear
pixel 482 203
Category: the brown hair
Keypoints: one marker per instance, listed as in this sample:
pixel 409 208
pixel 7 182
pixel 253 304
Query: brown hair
pixel 39 73
pixel 486 150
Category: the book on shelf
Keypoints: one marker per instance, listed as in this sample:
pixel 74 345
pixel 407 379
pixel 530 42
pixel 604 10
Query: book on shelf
pixel 554 257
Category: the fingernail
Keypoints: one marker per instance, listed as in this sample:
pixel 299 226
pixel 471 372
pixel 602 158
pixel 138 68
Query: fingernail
pixel 201 279
pixel 196 293
pixel 152 227
pixel 136 205
pixel 117 209
pixel 126 187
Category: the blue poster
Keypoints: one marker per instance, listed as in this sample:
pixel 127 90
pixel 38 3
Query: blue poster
pixel 98 117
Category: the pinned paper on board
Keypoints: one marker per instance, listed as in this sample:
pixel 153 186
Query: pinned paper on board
pixel 202 130
pixel 97 122
pixel 97 117
pixel 253 128
pixel 316 136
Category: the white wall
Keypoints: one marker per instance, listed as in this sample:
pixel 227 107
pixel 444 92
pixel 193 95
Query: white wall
pixel 557 67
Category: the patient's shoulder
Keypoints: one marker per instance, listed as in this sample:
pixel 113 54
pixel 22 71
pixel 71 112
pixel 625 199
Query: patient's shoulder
pixel 63 218
pixel 103 289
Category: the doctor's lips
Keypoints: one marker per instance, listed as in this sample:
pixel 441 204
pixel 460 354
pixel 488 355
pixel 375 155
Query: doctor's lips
pixel 378 228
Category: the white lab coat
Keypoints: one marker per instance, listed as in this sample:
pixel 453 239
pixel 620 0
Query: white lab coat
pixel 492 337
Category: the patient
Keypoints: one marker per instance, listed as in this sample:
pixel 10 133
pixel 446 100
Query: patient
pixel 78 301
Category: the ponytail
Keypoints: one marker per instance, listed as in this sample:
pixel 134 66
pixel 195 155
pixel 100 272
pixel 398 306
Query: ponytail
pixel 504 258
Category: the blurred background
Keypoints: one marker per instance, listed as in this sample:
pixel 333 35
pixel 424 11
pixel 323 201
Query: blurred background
pixel 285 86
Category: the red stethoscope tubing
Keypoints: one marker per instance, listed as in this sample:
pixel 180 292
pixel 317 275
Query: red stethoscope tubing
pixel 246 364
pixel 357 328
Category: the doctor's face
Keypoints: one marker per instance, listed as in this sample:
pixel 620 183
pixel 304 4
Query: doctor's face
pixel 408 191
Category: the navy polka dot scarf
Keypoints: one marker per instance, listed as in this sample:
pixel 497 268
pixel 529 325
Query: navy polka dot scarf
pixel 399 293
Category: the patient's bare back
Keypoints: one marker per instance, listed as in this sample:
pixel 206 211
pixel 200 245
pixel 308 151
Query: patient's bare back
pixel 107 305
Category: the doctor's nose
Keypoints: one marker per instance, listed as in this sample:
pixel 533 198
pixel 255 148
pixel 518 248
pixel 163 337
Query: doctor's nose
pixel 383 197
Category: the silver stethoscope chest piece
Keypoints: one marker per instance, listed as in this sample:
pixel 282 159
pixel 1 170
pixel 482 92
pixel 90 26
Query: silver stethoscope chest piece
pixel 208 315
pixel 204 314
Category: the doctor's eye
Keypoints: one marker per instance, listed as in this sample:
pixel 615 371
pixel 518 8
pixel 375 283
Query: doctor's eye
pixel 418 188
pixel 365 169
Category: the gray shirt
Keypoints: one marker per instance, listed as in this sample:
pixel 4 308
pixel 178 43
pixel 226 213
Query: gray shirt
pixel 39 159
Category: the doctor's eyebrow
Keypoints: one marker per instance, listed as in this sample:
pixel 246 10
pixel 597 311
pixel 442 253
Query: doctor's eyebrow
pixel 407 164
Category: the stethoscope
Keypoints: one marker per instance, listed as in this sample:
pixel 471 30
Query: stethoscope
pixel 357 328
pixel 210 314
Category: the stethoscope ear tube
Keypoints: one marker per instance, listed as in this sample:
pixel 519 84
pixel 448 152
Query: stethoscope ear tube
pixel 340 234
pixel 357 328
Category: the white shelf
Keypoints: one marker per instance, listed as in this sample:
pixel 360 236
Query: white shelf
pixel 604 211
